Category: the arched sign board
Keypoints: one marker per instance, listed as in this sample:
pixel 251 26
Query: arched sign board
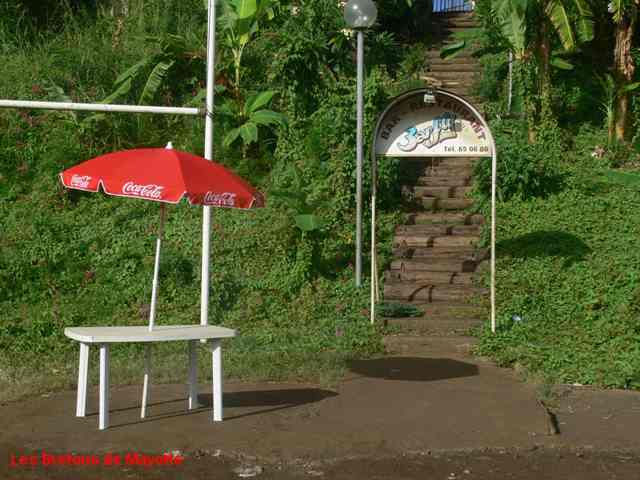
pixel 431 123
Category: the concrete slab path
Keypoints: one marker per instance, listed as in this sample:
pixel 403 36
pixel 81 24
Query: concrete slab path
pixel 426 396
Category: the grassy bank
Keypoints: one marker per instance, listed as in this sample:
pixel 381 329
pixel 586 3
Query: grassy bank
pixel 70 258
pixel 568 275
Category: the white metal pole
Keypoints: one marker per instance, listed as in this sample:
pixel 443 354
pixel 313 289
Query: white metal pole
pixel 208 154
pixel 98 107
pixel 156 269
pixel 360 121
pixel 494 168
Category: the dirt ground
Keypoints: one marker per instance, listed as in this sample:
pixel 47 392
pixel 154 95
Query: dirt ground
pixel 426 410
pixel 528 465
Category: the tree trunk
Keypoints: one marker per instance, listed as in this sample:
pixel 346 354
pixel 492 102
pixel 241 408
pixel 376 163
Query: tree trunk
pixel 623 70
pixel 541 109
pixel 120 8
pixel 544 56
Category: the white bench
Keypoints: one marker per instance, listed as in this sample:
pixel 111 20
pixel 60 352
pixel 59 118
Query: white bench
pixel 104 336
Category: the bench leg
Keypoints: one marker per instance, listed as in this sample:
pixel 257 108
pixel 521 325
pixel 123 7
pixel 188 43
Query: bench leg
pixel 216 360
pixel 83 370
pixel 193 375
pixel 103 417
pixel 145 383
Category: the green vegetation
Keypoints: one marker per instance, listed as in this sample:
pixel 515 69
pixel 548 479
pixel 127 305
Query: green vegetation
pixel 281 275
pixel 567 266
pixel 568 272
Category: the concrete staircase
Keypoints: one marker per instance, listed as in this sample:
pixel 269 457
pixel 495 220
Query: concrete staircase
pixel 435 253
pixel 457 74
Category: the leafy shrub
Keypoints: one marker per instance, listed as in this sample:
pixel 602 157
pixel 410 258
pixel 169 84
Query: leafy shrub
pixel 74 258
pixel 524 170
pixel 567 282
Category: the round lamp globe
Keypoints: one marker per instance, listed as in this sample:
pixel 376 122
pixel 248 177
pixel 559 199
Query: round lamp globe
pixel 360 13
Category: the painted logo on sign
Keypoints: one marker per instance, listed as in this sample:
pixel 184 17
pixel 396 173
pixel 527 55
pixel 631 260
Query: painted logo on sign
pixel 226 199
pixel 144 191
pixel 443 127
pixel 80 181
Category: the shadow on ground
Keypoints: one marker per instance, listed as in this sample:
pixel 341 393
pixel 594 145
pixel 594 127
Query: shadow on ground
pixel 544 243
pixel 413 368
pixel 270 398
pixel 258 401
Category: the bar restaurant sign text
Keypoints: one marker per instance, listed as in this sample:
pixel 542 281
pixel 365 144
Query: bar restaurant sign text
pixel 435 125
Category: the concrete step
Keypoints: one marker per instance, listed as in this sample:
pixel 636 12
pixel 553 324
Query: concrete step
pixel 441 192
pixel 451 29
pixel 420 258
pixel 430 293
pixel 454 18
pixel 409 180
pixel 432 326
pixel 443 181
pixel 443 278
pixel 464 67
pixel 407 176
pixel 434 54
pixel 436 264
pixel 453 160
pixel 407 240
pixel 455 22
pixel 428 167
pixel 433 203
pixel 412 163
pixel 461 91
pixel 457 63
pixel 441 252
pixel 452 309
pixel 438 229
pixel 450 66
pixel 451 74
pixel 460 86
pixel 448 259
pixel 443 40
pixel 444 217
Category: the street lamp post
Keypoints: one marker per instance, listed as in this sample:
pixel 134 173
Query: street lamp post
pixel 359 15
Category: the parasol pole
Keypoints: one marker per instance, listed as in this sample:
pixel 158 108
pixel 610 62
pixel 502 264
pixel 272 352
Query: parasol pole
pixel 152 311
pixel 145 383
pixel 152 314
pixel 208 154
pixel 156 268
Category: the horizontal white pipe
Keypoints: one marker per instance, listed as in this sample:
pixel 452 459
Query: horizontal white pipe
pixel 99 107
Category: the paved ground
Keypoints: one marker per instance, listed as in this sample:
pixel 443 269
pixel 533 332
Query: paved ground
pixel 387 419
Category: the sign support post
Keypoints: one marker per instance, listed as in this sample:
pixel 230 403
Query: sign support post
pixel 432 123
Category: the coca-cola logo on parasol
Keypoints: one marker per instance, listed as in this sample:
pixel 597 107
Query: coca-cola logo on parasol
pixel 226 199
pixel 80 181
pixel 144 191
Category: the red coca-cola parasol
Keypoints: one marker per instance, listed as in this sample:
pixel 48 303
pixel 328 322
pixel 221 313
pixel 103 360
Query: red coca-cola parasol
pixel 162 175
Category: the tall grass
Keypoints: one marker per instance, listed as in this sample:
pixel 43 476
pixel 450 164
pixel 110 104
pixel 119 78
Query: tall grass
pixel 71 258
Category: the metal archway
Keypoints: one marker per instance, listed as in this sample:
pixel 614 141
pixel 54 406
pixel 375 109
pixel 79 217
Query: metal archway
pixel 397 134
